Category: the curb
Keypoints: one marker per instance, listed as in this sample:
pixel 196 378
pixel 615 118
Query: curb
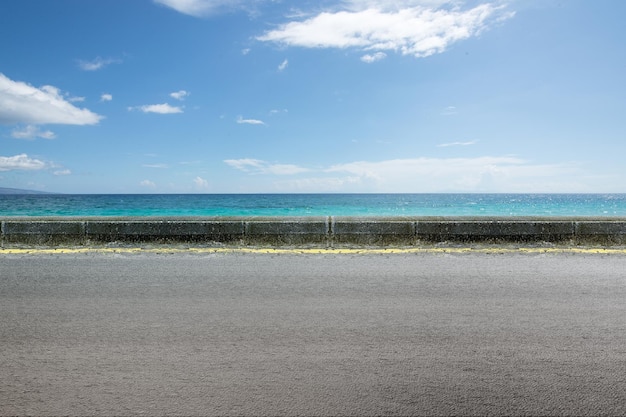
pixel 317 231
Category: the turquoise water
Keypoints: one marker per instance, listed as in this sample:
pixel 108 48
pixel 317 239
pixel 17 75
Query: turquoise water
pixel 315 205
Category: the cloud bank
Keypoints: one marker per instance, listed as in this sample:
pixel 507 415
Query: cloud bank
pixel 23 103
pixel 480 174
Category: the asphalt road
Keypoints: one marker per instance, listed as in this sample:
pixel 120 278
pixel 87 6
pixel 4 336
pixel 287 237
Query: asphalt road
pixel 313 334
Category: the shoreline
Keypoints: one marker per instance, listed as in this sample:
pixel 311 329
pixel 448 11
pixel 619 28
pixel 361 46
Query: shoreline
pixel 318 231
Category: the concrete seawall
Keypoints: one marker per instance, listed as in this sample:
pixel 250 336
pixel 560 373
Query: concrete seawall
pixel 324 231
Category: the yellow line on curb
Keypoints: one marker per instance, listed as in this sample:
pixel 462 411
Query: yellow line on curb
pixel 304 251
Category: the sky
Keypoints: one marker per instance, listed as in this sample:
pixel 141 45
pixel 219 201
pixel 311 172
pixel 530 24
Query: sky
pixel 298 96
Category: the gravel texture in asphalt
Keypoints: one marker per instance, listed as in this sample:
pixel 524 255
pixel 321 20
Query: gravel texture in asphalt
pixel 313 334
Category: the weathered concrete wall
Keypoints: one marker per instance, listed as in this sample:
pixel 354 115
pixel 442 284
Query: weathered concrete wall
pixel 372 231
pixel 164 231
pixel 318 231
pixel 496 230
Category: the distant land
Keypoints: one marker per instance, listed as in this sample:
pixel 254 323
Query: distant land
pixel 18 191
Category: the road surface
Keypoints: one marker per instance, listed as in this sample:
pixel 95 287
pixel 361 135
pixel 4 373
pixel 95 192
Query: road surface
pixel 286 333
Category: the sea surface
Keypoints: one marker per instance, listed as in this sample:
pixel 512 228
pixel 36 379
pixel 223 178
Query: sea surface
pixel 314 205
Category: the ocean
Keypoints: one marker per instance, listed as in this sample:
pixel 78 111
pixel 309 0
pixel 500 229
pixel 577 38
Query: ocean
pixel 603 205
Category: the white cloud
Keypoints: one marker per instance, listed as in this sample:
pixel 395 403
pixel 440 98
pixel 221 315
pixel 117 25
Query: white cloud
pixel 241 120
pixel 200 8
pixel 369 58
pixel 21 163
pixel 180 95
pixel 245 51
pixel 156 166
pixel 106 97
pixel 245 164
pixel 283 65
pixel 32 132
pixel 411 28
pixel 158 108
pixel 444 145
pixel 201 183
pixel 62 172
pixel 256 166
pixel 97 63
pixel 449 111
pixel 23 103
pixel 147 184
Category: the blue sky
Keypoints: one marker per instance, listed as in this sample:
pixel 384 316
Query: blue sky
pixel 216 96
